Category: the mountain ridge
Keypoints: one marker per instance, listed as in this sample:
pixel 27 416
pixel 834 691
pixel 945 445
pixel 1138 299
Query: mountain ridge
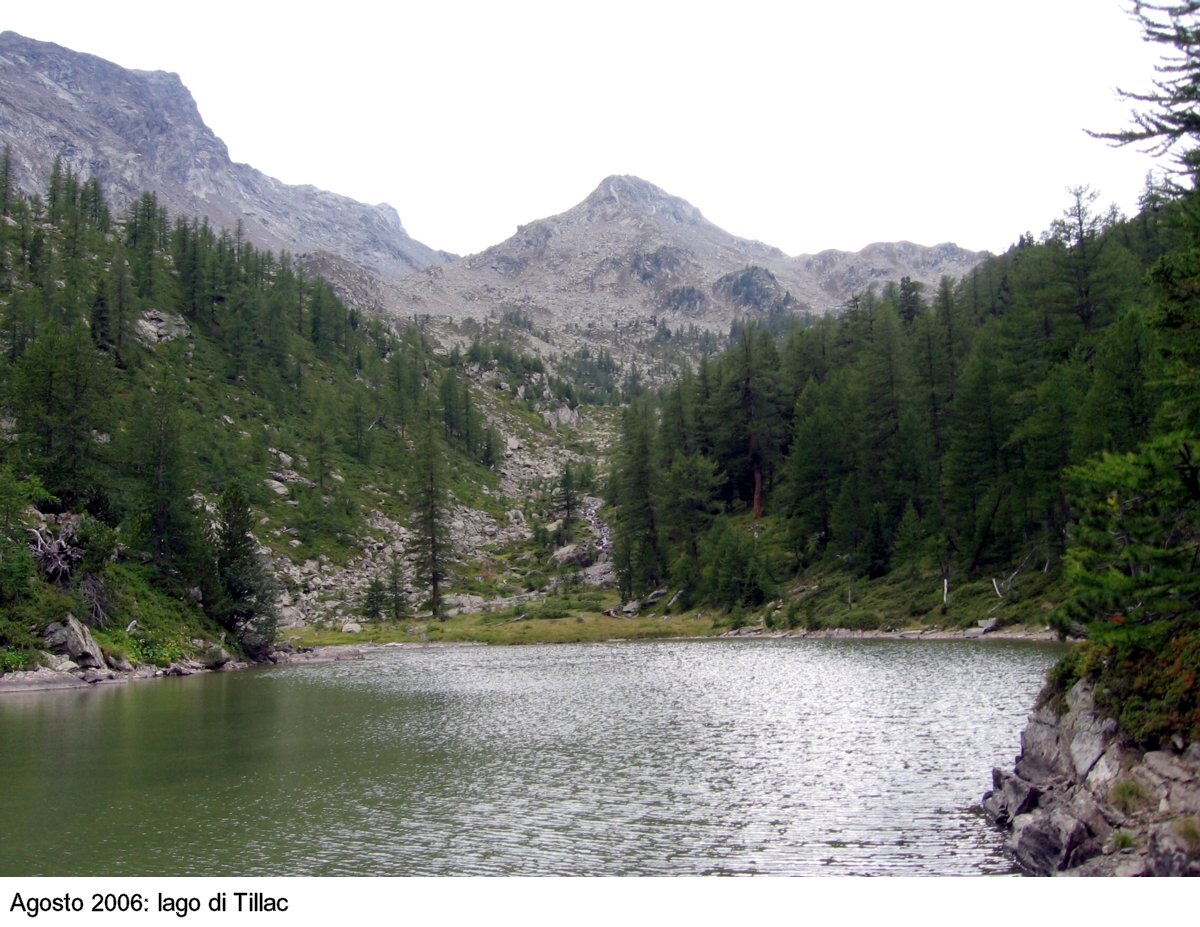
pixel 142 130
pixel 631 251
pixel 627 253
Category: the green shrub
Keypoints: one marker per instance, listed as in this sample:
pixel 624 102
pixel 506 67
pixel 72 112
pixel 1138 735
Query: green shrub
pixel 1126 795
pixel 11 660
pixel 861 620
pixel 1189 830
pixel 1064 674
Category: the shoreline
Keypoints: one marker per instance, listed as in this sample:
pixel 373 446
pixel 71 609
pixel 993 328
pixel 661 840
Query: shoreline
pixel 45 679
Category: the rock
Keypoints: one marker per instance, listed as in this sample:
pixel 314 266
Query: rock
pixel 572 555
pixel 1167 766
pixel 1171 854
pixel 276 487
pixel 1046 843
pixel 563 416
pixel 457 604
pixel 351 627
pixel 602 574
pixel 41 678
pixel 72 638
pixel 154 326
pixel 290 617
pixel 59 662
pixel 1057 799
pixel 1010 796
pixel 214 657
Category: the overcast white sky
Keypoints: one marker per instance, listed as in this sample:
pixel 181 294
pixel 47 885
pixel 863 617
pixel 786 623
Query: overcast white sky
pixel 805 125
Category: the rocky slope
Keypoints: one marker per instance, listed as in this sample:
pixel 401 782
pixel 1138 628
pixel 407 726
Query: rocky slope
pixel 1081 801
pixel 141 130
pixel 631 251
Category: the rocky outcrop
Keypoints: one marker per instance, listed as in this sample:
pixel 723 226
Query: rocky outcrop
pixel 1081 800
pixel 71 639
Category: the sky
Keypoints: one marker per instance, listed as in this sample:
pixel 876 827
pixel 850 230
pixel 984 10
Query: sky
pixel 806 125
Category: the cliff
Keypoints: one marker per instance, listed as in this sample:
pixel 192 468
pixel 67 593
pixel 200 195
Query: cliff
pixel 1082 801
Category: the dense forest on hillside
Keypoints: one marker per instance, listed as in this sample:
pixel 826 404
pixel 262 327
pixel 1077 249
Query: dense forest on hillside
pixel 1031 428
pixel 154 373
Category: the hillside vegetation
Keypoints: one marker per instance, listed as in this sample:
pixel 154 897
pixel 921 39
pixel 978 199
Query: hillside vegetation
pixel 1019 446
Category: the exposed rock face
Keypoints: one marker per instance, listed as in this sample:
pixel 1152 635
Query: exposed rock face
pixel 154 326
pixel 1080 800
pixel 628 255
pixel 631 251
pixel 140 130
pixel 72 639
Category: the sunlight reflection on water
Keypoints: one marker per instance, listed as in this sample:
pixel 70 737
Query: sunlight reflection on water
pixel 773 757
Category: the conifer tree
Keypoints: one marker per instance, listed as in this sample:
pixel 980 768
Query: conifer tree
pixel 430 502
pixel 245 593
pixel 374 599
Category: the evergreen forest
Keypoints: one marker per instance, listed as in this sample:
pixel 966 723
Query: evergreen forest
pixel 1021 446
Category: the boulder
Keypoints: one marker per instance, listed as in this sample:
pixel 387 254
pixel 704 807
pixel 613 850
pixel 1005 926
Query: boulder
pixel 1047 843
pixel 351 627
pixel 41 678
pixel 1010 796
pixel 154 326
pixel 73 639
pixel 214 657
pixel 572 555
pixel 563 416
pixel 1171 853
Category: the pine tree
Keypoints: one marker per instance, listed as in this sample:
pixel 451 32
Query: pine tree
pixel 637 551
pixel 374 599
pixel 167 520
pixel 567 500
pixel 245 592
pixel 62 402
pixel 430 501
pixel 394 589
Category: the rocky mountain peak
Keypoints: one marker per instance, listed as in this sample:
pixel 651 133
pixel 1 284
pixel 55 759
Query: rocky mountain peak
pixel 138 131
pixel 621 195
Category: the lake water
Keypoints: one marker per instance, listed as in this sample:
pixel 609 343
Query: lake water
pixel 700 757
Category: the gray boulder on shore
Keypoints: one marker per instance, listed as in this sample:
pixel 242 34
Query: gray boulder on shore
pixel 70 638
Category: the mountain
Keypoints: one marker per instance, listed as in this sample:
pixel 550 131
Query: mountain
pixel 632 251
pixel 141 130
pixel 627 255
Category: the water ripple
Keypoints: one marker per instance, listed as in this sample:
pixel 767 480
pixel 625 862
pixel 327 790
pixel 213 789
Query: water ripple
pixel 781 757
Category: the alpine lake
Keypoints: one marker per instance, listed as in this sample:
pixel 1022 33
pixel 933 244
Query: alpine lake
pixel 766 757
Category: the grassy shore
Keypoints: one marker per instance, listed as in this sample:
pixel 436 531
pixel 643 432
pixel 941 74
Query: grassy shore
pixel 484 628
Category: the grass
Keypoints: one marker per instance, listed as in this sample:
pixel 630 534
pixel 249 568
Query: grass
pixel 1122 840
pixel 833 597
pixel 543 623
pixel 1189 830
pixel 1127 796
